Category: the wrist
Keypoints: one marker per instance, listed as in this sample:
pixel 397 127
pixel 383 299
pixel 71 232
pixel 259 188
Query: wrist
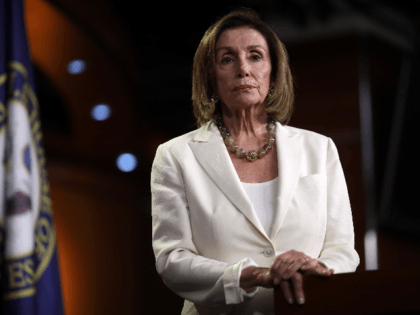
pixel 248 278
pixel 261 276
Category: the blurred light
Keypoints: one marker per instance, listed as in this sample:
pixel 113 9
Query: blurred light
pixel 76 66
pixel 126 162
pixel 371 250
pixel 101 112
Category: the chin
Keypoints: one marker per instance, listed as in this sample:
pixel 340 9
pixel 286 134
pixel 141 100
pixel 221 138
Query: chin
pixel 246 102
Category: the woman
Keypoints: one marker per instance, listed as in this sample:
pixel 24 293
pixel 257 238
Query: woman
pixel 245 202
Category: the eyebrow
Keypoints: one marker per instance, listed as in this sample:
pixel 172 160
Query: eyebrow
pixel 249 47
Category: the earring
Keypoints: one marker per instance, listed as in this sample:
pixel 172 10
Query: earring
pixel 270 91
pixel 214 98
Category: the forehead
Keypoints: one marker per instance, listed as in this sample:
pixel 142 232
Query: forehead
pixel 241 37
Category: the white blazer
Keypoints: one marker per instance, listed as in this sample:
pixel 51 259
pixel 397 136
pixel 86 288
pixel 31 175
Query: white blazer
pixel 205 229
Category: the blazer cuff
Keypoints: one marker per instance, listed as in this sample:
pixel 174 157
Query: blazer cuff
pixel 234 294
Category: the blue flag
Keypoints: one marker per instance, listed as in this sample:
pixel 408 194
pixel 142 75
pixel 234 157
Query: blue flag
pixel 30 279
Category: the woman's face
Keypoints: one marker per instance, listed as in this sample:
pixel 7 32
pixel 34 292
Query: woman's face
pixel 243 68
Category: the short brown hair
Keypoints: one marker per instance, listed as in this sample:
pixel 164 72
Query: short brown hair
pixel 280 104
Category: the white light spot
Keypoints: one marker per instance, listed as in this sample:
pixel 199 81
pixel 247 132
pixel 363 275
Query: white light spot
pixel 126 162
pixel 371 250
pixel 76 66
pixel 101 112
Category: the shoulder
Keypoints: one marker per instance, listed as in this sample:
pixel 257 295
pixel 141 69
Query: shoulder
pixel 180 141
pixel 307 135
pixel 178 146
pixel 313 142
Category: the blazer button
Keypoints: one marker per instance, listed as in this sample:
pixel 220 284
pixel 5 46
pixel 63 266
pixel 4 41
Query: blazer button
pixel 268 252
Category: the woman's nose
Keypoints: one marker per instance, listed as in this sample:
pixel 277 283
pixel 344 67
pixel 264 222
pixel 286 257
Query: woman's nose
pixel 243 69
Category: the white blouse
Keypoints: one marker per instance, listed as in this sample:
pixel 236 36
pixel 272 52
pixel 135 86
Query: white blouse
pixel 264 198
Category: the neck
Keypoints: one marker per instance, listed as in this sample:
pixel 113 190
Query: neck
pixel 249 123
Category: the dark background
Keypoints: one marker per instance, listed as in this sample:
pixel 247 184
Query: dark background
pixel 139 60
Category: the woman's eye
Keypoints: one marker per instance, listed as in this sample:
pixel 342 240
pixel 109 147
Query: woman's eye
pixel 256 57
pixel 226 60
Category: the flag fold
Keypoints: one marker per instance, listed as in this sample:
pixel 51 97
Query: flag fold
pixel 30 279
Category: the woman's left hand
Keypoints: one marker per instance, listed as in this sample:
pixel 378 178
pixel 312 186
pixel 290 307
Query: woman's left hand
pixel 287 264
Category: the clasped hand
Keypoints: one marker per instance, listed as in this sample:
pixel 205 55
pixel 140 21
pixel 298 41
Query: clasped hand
pixel 288 269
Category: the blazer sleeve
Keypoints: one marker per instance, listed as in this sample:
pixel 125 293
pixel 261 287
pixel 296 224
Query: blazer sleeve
pixel 338 250
pixel 193 277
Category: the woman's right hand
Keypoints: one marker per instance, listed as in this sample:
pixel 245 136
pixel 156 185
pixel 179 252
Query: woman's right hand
pixel 261 277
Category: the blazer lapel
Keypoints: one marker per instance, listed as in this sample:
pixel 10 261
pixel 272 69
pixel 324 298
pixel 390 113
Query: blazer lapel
pixel 210 151
pixel 289 155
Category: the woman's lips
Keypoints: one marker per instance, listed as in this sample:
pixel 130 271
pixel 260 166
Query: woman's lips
pixel 242 87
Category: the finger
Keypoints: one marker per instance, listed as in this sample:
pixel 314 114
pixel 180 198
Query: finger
pixel 323 272
pixel 287 268
pixel 307 270
pixel 307 265
pixel 314 268
pixel 274 270
pixel 287 263
pixel 310 264
pixel 279 260
pixel 297 281
pixel 279 267
pixel 282 270
pixel 299 259
pixel 287 292
pixel 294 267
